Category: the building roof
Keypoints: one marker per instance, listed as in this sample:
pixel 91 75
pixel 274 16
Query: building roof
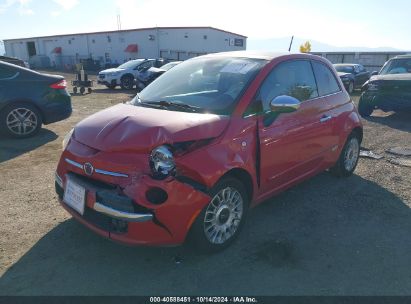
pixel 131 30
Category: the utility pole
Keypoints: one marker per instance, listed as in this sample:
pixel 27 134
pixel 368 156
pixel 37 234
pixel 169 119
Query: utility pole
pixel 118 22
pixel 291 43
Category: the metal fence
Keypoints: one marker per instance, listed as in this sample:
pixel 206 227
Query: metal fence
pixel 372 61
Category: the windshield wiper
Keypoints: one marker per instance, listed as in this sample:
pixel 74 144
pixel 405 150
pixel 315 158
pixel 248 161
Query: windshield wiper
pixel 168 104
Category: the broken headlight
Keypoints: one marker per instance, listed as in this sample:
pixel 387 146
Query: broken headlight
pixel 162 162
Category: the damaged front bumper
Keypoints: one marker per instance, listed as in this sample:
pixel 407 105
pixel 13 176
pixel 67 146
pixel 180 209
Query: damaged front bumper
pixel 134 210
pixel 385 101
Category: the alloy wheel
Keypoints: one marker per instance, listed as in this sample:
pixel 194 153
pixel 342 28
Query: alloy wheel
pixel 223 215
pixel 21 121
pixel 351 154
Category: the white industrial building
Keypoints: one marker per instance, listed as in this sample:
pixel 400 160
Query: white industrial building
pixel 115 47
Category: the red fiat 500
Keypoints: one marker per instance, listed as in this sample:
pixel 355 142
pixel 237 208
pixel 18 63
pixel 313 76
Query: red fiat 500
pixel 206 141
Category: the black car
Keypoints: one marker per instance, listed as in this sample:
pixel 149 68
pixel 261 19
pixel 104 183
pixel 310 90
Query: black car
pixel 352 75
pixel 390 89
pixel 146 77
pixel 29 99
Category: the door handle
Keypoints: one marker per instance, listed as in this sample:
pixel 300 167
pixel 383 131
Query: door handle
pixel 325 118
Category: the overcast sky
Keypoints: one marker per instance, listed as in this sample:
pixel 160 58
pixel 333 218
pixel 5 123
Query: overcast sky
pixel 364 23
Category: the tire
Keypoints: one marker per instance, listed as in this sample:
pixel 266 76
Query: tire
pixel 364 109
pixel 350 88
pixel 75 90
pixel 126 82
pixel 348 160
pixel 111 86
pixel 89 90
pixel 82 90
pixel 206 234
pixel 20 120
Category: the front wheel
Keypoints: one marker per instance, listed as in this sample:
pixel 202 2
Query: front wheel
pixel 348 160
pixel 364 109
pixel 220 221
pixel 351 87
pixel 126 82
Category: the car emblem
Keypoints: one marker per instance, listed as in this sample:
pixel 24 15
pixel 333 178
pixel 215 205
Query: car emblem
pixel 88 169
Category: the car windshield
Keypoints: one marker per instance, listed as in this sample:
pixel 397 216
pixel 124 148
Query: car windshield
pixel 397 66
pixel 203 84
pixel 344 68
pixel 130 64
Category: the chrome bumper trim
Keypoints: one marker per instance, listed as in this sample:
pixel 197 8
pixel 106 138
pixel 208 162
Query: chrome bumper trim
pixel 99 171
pixel 126 216
pixel 58 179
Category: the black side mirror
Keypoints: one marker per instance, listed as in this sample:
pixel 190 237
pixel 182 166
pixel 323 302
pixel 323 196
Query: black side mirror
pixel 373 73
pixel 284 104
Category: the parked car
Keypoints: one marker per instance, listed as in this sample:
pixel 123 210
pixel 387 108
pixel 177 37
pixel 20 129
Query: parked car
pixel 353 76
pixel 147 77
pixel 15 61
pixel 390 89
pixel 29 99
pixel 189 155
pixel 125 74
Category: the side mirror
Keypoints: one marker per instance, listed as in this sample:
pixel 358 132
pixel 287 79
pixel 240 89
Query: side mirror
pixel 373 73
pixel 284 104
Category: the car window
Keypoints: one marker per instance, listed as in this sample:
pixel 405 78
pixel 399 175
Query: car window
pixel 7 72
pixel 293 78
pixel 326 81
pixel 145 65
pixel 397 66
pixel 362 69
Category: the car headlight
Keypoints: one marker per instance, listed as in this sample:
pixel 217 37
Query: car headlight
pixel 67 139
pixel 162 162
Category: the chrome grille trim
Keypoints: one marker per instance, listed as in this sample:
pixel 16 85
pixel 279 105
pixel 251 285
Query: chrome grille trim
pixel 98 171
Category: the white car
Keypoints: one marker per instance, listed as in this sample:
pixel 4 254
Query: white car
pixel 125 74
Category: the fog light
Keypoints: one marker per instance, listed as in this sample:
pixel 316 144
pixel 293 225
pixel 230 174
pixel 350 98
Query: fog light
pixel 156 196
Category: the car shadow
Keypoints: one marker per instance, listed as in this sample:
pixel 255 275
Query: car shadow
pixel 396 120
pixel 315 239
pixel 11 148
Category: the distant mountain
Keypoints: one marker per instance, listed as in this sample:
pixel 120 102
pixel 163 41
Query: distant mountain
pixel 282 44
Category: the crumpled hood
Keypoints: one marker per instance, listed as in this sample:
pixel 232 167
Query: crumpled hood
pixel 131 128
pixel 112 70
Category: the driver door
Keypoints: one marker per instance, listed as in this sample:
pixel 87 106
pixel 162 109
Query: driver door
pixel 291 144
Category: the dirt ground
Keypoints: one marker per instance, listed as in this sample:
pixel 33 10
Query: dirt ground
pixel 327 236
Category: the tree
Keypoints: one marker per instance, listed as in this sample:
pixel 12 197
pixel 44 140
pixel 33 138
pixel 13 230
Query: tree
pixel 306 47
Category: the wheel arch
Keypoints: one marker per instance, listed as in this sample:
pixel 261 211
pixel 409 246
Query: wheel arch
pixel 243 176
pixel 128 74
pixel 22 100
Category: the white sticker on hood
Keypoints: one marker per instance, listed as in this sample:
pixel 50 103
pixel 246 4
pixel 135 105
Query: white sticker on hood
pixel 241 67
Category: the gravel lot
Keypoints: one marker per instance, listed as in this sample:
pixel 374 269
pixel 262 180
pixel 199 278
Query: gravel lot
pixel 327 236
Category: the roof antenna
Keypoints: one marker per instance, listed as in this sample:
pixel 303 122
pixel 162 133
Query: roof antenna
pixel 291 43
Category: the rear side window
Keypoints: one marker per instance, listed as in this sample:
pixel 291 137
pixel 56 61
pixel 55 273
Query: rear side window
pixel 6 72
pixel 327 84
pixel 293 78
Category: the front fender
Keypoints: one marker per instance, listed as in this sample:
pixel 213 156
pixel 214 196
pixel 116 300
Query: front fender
pixel 235 149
